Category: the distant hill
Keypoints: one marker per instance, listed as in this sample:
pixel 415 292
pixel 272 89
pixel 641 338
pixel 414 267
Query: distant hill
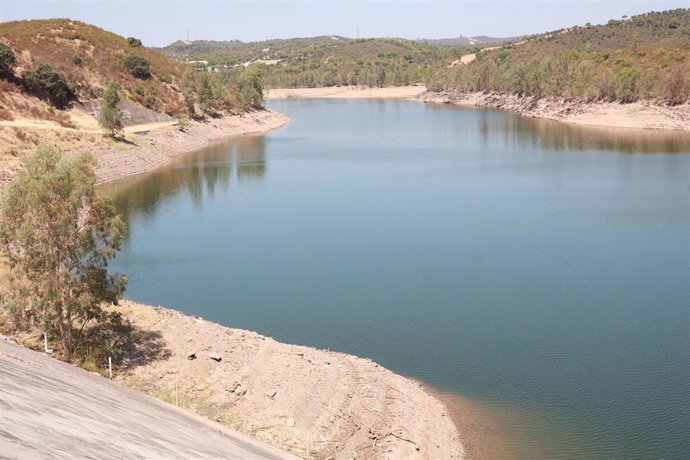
pixel 470 41
pixel 641 57
pixel 324 61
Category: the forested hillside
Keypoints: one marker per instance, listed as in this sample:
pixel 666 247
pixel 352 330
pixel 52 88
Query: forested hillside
pixel 641 57
pixel 325 61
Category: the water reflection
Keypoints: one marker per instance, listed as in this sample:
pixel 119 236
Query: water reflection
pixel 201 175
pixel 526 264
pixel 554 135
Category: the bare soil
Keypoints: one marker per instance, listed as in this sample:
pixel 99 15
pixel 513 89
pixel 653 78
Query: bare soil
pixel 313 403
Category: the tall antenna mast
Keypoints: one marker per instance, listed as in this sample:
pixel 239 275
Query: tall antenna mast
pixel 186 47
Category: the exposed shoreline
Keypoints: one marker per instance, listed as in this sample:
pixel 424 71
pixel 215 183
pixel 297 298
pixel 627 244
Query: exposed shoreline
pixel 347 92
pixel 637 115
pixel 307 401
pixel 152 150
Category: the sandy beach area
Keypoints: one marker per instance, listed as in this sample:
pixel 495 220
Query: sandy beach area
pixel 637 115
pixel 313 403
pixel 347 92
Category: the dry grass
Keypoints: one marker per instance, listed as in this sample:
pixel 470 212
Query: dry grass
pixel 57 42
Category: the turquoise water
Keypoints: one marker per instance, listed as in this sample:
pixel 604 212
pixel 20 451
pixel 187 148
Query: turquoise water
pixel 538 268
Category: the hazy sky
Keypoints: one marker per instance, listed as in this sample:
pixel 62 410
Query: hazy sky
pixel 159 22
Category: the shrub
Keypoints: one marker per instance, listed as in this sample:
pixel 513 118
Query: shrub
pixel 138 67
pixel 7 61
pixel 626 90
pixel 76 60
pixel 50 84
pixel 134 42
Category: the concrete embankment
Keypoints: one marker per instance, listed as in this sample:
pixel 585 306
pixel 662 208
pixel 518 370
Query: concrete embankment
pixel 49 409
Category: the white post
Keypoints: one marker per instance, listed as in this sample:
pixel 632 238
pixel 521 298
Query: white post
pixel 110 366
pixel 45 341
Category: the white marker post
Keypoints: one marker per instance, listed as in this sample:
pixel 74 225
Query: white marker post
pixel 45 341
pixel 110 366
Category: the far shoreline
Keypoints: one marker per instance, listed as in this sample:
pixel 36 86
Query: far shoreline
pixel 643 115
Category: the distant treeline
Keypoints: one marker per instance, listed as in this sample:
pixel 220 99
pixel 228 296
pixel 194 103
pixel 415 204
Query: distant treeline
pixel 642 57
pixel 325 61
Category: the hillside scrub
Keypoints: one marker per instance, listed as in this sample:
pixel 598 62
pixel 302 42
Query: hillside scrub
pixel 66 60
pixel 139 67
pixel 50 84
pixel 7 61
pixel 644 57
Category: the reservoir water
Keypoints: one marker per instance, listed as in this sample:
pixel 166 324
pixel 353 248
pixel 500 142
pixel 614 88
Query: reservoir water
pixel 541 270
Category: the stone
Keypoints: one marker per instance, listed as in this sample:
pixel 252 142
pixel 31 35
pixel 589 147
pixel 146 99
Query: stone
pixel 232 387
pixel 191 355
pixel 271 394
pixel 291 422
pixel 215 356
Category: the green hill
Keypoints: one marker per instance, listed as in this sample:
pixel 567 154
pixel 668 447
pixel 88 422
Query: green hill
pixel 324 61
pixel 642 57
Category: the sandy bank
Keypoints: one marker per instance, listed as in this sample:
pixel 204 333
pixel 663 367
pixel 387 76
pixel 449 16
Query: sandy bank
pixel 638 115
pixel 347 92
pixel 310 402
pixel 145 151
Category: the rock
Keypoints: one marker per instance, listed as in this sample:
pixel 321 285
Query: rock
pixel 241 392
pixel 191 355
pixel 215 356
pixel 271 394
pixel 291 422
pixel 231 388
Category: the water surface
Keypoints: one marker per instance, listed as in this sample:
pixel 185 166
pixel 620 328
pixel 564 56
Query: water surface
pixel 540 269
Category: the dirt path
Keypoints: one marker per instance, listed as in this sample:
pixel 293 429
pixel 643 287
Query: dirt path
pixel 314 403
pixel 49 409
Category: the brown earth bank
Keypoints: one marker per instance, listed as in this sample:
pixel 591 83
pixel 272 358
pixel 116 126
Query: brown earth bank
pixel 639 115
pixel 142 148
pixel 313 403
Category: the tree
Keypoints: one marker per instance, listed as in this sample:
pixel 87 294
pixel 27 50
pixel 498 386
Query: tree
pixel 250 88
pixel 7 61
pixel 50 84
pixel 58 236
pixel 110 117
pixel 205 96
pixel 138 67
pixel 187 87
